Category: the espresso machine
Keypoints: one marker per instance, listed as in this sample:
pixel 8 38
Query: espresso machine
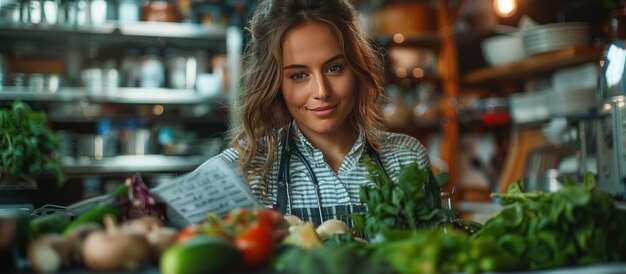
pixel 611 125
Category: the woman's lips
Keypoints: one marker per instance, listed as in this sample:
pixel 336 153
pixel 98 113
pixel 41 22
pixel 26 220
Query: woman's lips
pixel 323 111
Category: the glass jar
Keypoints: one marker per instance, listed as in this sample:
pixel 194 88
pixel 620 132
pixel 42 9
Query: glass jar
pixel 152 69
pixel 455 221
pixel 160 11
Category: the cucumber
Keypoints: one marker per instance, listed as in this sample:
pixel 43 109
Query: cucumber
pixel 202 254
pixel 52 223
pixel 94 215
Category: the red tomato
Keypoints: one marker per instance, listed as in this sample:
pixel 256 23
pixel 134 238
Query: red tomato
pixel 270 217
pixel 186 233
pixel 256 244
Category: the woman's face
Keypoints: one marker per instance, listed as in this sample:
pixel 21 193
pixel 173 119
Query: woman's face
pixel 317 82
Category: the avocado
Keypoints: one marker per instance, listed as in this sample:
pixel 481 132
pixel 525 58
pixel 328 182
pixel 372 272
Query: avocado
pixel 201 254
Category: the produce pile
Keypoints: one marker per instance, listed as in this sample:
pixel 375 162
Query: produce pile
pixel 405 230
pixel 573 226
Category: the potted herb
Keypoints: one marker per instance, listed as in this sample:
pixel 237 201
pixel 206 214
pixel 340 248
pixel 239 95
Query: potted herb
pixel 28 147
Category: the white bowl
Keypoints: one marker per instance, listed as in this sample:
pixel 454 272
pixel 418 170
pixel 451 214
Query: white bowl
pixel 502 49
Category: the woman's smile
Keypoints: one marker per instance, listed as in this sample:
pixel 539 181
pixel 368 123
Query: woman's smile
pixel 324 111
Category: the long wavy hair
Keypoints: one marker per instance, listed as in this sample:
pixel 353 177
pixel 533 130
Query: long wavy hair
pixel 261 109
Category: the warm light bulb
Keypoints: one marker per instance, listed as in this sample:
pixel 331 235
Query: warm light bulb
pixel 505 8
pixel 157 109
pixel 398 38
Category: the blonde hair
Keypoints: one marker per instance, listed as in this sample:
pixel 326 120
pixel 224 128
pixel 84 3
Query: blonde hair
pixel 261 108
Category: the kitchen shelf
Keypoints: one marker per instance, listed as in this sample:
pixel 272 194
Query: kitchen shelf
pixel 152 33
pixel 116 96
pixel 131 163
pixel 533 65
pixel 143 29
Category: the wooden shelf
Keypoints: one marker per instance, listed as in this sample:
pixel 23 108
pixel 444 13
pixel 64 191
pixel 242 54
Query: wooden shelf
pixel 533 65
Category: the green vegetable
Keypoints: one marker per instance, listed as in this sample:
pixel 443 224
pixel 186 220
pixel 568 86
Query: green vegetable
pixel 573 226
pixel 347 257
pixel 202 254
pixel 94 215
pixel 411 203
pixel 27 146
pixel 441 251
pixel 52 223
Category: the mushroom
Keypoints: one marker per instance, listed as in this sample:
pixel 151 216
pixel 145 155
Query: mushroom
pixel 115 249
pixel 160 238
pixel 76 237
pixel 49 253
pixel 331 227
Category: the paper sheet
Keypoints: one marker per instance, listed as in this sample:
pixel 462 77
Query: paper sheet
pixel 214 187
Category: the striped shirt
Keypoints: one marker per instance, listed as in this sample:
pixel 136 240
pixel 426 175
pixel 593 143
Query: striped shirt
pixel 339 191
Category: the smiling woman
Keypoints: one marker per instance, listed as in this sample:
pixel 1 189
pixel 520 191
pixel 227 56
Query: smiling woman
pixel 318 88
pixel 309 111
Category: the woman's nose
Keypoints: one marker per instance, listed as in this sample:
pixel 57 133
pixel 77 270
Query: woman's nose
pixel 322 90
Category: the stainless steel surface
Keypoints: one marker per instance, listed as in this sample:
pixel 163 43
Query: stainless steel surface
pixel 613 75
pixel 611 133
pixel 122 96
pixel 132 163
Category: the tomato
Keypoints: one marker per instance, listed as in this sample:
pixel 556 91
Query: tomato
pixel 256 244
pixel 270 217
pixel 186 233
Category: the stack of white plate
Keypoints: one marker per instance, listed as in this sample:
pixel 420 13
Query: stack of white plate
pixel 572 102
pixel 529 107
pixel 551 37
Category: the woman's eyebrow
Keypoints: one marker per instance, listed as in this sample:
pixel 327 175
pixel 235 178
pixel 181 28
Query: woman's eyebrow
pixel 332 59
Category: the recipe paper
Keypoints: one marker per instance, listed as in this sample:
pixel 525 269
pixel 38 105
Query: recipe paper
pixel 216 187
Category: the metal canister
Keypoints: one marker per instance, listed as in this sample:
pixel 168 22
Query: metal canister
pixel 611 130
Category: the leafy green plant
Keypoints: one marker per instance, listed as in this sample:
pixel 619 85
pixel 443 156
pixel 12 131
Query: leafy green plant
pixel 27 146
pixel 573 226
pixel 411 203
pixel 440 251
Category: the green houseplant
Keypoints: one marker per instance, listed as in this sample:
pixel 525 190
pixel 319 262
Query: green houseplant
pixel 28 147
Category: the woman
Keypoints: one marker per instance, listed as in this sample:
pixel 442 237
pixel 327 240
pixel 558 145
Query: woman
pixel 309 111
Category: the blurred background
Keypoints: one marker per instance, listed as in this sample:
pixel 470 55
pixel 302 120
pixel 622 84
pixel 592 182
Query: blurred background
pixel 497 90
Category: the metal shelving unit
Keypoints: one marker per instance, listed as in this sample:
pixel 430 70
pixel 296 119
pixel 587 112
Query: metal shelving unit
pixel 118 35
pixel 124 164
pixel 113 96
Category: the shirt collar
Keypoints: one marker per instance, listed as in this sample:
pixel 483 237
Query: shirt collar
pixel 310 149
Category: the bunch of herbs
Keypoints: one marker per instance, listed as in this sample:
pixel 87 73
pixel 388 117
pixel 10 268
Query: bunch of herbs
pixel 573 226
pixel 27 146
pixel 413 202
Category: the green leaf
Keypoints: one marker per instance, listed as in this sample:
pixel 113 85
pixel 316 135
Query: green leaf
pixel 513 242
pixel 442 178
pixel 589 181
pixel 567 181
pixel 577 195
pixel 27 145
pixel 515 187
